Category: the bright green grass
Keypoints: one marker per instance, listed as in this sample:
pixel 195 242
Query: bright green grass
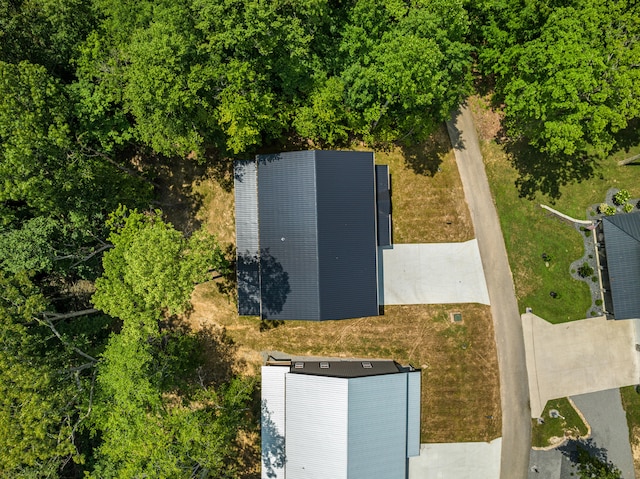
pixel 569 424
pixel 530 231
pixel 631 404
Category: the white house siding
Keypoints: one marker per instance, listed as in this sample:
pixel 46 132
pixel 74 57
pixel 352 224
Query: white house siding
pixel 273 421
pixel 413 413
pixel 377 427
pixel 316 427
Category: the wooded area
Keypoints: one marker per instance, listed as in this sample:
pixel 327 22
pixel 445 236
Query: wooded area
pixel 98 377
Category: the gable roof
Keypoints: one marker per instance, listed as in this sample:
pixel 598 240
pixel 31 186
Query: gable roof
pixel 354 427
pixel 306 235
pixel 622 246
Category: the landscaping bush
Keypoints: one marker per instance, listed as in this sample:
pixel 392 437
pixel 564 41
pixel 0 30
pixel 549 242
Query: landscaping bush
pixel 621 197
pixel 598 302
pixel 627 208
pixel 606 209
pixel 585 270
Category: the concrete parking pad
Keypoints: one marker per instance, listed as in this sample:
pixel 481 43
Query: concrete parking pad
pixel 462 460
pixel 609 430
pixel 579 357
pixel 432 273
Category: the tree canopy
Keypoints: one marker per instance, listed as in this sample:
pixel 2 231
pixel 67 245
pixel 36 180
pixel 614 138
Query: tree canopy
pixel 568 74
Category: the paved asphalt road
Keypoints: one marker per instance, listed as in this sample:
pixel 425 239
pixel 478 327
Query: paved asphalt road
pixel 514 388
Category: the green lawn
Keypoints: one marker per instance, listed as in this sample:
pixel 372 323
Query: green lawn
pixel 631 404
pixel 530 231
pixel 554 429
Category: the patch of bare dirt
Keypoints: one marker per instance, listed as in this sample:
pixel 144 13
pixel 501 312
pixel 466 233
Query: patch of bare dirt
pixel 488 119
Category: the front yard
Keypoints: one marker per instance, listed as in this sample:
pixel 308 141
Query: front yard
pixel 531 232
pixel 460 388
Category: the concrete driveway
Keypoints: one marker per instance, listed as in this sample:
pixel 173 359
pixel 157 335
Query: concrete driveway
pixel 609 434
pixel 462 460
pixel 579 357
pixel 433 273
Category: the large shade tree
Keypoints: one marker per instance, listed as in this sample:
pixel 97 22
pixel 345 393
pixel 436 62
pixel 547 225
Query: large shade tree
pixel 569 76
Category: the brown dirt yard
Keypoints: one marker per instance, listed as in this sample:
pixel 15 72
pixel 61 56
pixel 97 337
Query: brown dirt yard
pixel 461 396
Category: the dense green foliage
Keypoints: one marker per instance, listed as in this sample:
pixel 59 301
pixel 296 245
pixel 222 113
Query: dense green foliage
pixel 234 74
pixel 97 377
pixel 569 77
pixel 595 464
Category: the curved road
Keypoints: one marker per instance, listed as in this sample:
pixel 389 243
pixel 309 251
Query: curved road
pixel 514 388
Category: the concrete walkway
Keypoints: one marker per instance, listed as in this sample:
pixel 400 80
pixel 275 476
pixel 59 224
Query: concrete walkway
pixel 434 273
pixel 462 460
pixel 578 357
pixel 514 390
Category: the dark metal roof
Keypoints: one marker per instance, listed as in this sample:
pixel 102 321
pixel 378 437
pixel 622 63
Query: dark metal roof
pixel 347 368
pixel 247 242
pixel 383 204
pixel 622 247
pixel 316 218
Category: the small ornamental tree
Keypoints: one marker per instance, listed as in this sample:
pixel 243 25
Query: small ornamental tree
pixel 606 209
pixel 621 197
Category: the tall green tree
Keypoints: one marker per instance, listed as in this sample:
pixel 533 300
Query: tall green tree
pixel 46 382
pixel 152 267
pixel 567 72
pixel 156 413
pixel 45 32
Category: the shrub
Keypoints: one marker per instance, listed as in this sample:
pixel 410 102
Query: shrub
pixel 621 197
pixel 606 209
pixel 594 279
pixel 598 302
pixel 585 270
pixel 627 208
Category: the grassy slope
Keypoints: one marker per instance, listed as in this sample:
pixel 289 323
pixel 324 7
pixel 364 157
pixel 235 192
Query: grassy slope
pixel 460 388
pixel 569 425
pixel 530 231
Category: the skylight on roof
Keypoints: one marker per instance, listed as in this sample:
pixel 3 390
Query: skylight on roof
pixel 367 364
pixel 298 365
pixel 324 365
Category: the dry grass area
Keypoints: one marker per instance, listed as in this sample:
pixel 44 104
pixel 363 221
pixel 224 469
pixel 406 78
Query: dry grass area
pixel 427 198
pixel 488 119
pixel 635 449
pixel 460 393
pixel 461 398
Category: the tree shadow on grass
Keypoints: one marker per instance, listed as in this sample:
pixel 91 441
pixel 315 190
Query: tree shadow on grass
pixel 629 137
pixel 544 173
pixel 425 158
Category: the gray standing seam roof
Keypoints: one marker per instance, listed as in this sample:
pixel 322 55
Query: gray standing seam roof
pixel 316 230
pixel 622 246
